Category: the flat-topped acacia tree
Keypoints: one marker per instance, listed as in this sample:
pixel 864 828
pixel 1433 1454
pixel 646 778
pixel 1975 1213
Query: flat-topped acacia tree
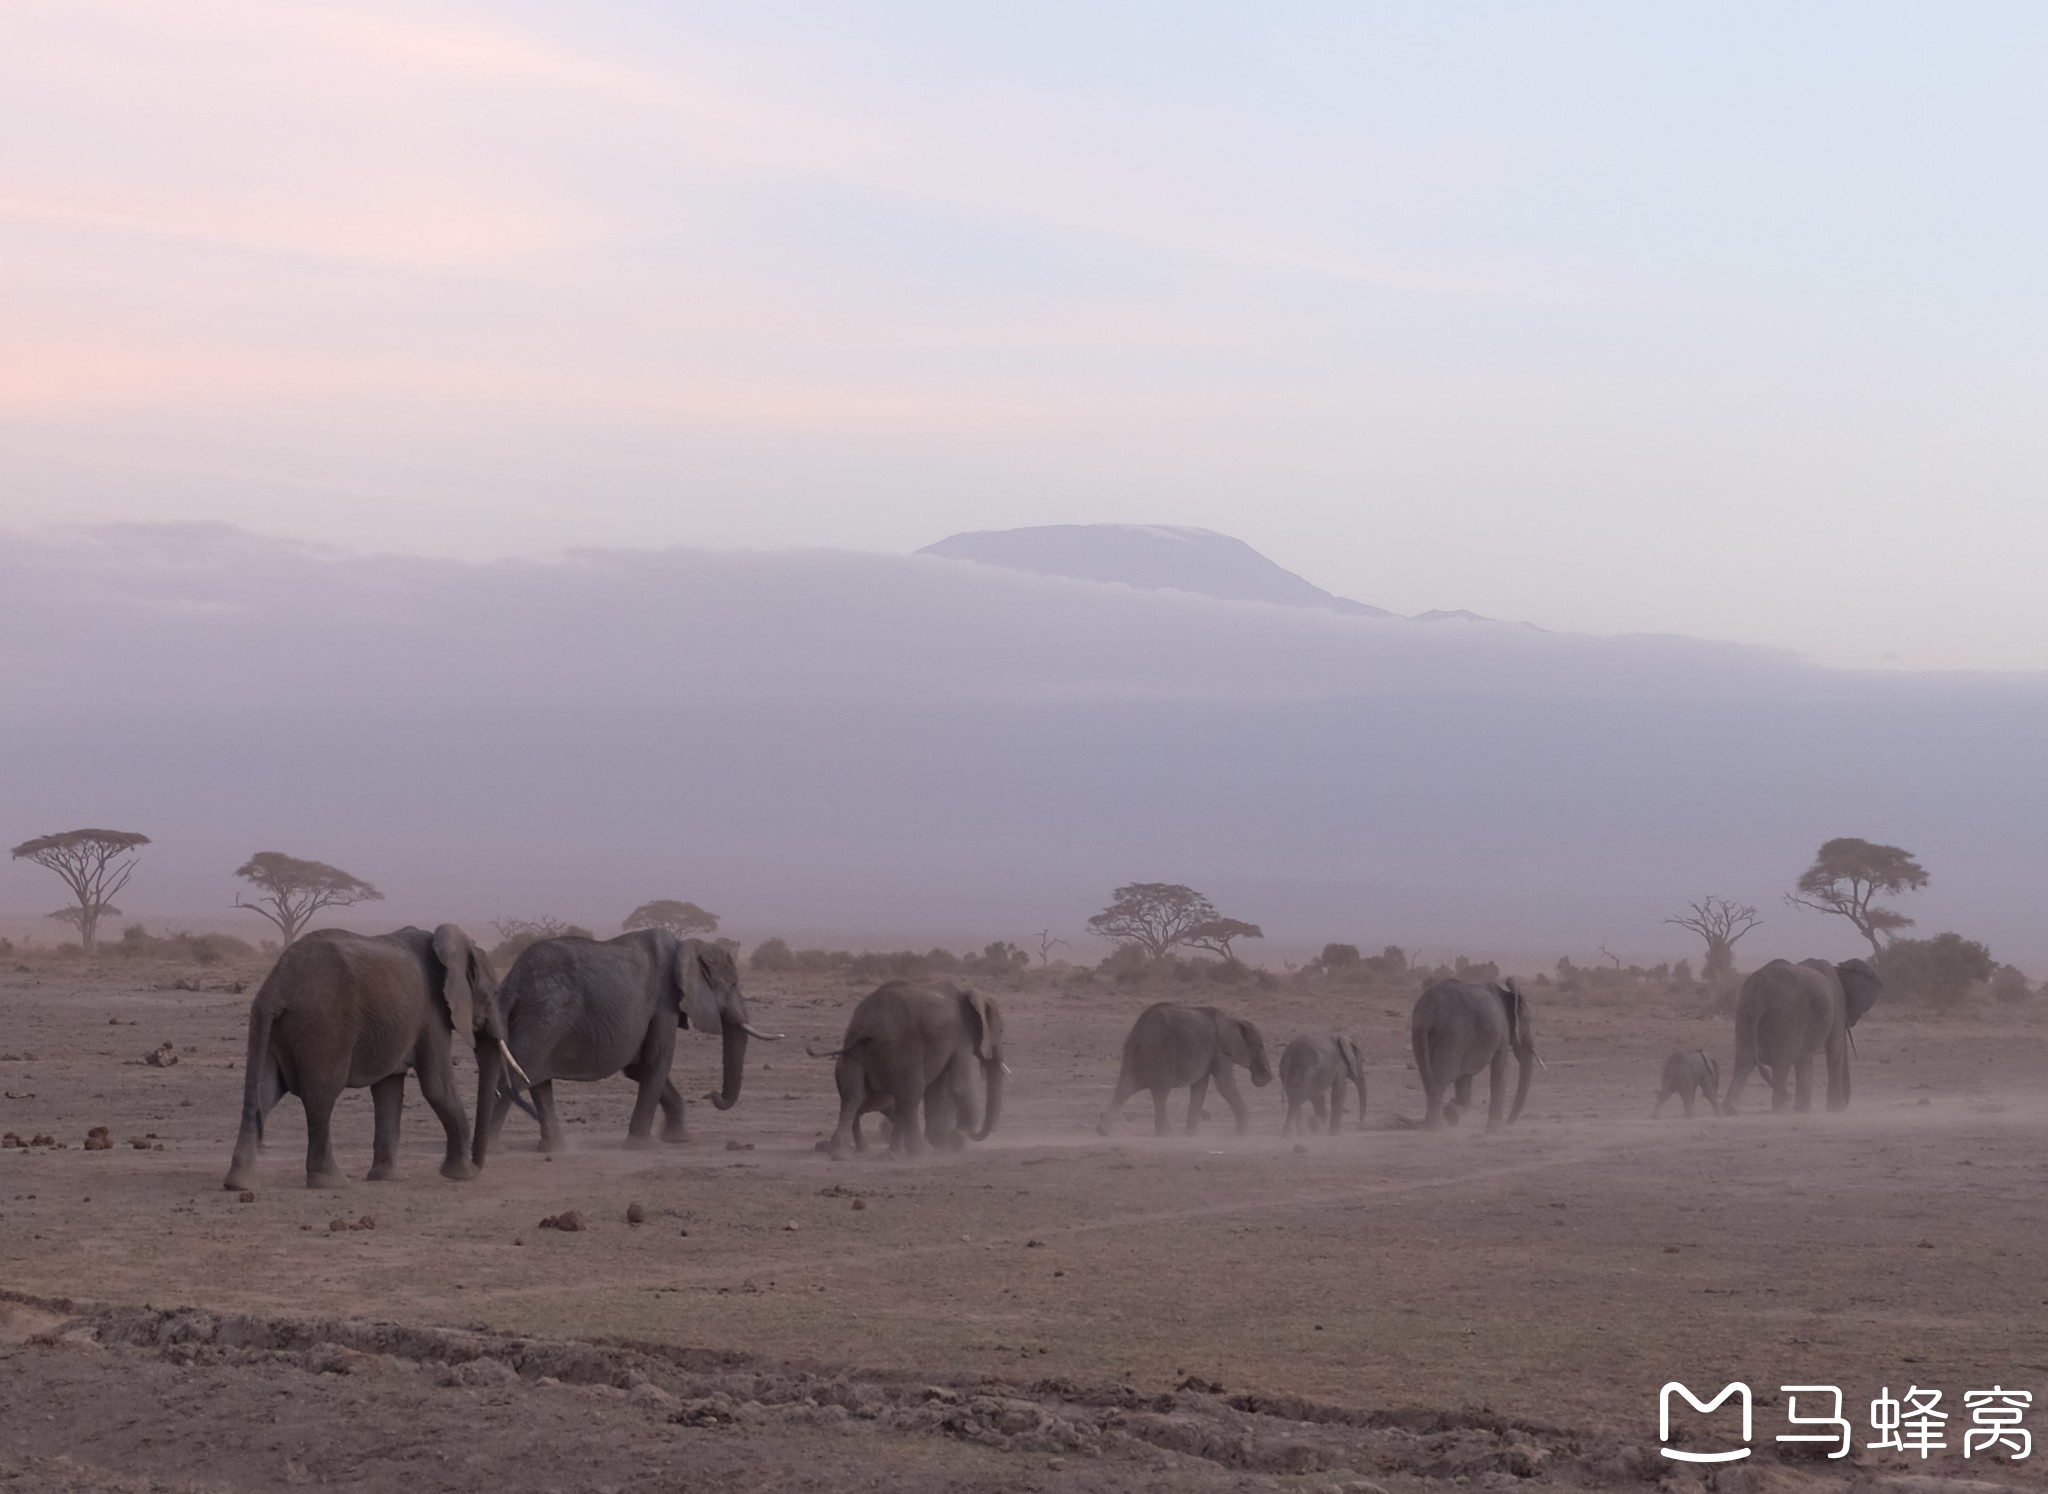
pixel 94 864
pixel 291 891
pixel 684 920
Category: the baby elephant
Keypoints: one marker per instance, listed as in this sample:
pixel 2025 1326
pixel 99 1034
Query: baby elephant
pixel 1314 1071
pixel 1171 1045
pixel 1687 1072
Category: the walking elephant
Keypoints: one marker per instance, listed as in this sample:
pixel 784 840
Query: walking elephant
pixel 1687 1073
pixel 586 1009
pixel 911 1052
pixel 1171 1045
pixel 1786 1014
pixel 349 1011
pixel 1460 1028
pixel 1314 1071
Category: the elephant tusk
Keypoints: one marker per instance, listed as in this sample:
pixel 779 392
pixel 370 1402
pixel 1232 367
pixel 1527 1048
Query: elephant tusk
pixel 767 1037
pixel 505 1049
pixel 1540 1063
pixel 1008 1070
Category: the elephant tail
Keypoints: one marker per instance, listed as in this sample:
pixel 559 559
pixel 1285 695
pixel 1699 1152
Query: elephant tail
pixel 262 1081
pixel 1421 1041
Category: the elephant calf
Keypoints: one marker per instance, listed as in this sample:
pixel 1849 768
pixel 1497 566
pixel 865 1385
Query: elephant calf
pixel 1687 1073
pixel 1314 1071
pixel 1172 1045
pixel 913 1049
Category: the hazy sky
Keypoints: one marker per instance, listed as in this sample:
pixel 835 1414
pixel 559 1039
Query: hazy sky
pixel 1720 319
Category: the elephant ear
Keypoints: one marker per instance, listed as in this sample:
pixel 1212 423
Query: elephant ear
pixel 696 1000
pixel 989 1046
pixel 1515 1009
pixel 1230 1039
pixel 1354 1063
pixel 1861 987
pixel 452 948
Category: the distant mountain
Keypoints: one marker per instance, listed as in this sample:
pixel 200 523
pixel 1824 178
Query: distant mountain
pixel 826 746
pixel 1151 557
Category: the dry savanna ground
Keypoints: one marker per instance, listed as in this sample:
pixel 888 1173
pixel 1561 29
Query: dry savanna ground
pixel 1048 1310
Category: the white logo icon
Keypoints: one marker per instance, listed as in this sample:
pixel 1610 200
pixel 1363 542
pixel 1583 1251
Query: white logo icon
pixel 1705 1408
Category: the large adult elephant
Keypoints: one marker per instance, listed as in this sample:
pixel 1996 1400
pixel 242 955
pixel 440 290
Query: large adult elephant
pixel 586 1009
pixel 1788 1013
pixel 348 1011
pixel 1460 1027
pixel 1313 1071
pixel 912 1051
pixel 1172 1045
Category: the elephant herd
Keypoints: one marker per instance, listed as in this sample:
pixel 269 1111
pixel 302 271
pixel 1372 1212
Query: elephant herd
pixel 349 1011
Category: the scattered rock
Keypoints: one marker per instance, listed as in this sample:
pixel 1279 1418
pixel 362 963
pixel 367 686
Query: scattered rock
pixel 140 1143
pixel 1926 1245
pixel 789 1225
pixel 10 1141
pixel 569 1220
pixel 860 1203
pixel 164 1054
pixel 635 1214
pixel 246 1196
pixel 1300 1149
pixel 739 1146
pixel 98 1139
pixel 336 1225
pixel 1034 1244
pixel 368 1221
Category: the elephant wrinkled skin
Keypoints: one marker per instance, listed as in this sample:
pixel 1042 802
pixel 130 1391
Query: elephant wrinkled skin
pixel 586 1009
pixel 1171 1045
pixel 1460 1028
pixel 1786 1014
pixel 1314 1071
pixel 349 1011
pixel 910 1051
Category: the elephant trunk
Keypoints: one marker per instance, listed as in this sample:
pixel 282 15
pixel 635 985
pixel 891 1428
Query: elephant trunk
pixel 1525 1063
pixel 735 1041
pixel 490 1074
pixel 992 1070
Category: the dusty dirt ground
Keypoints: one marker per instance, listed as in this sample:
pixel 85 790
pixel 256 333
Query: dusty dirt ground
pixel 1049 1310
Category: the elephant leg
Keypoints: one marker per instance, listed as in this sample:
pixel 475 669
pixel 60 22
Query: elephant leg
pixel 1686 1096
pixel 1462 1090
pixel 1802 1078
pixel 1126 1086
pixel 1497 1093
pixel 320 1169
pixel 852 1093
pixel 437 1088
pixel 1321 1107
pixel 1433 1117
pixel 543 1096
pixel 650 1072
pixel 675 1123
pixel 1226 1086
pixel 908 1135
pixel 1159 1094
pixel 387 1099
pixel 1838 1071
pixel 1197 1093
pixel 501 1106
pixel 1290 1124
pixel 1336 1107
